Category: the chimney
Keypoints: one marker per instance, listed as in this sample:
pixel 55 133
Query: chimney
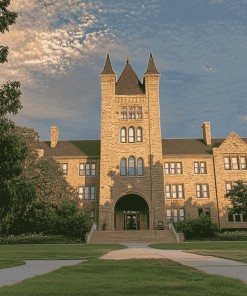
pixel 54 136
pixel 206 133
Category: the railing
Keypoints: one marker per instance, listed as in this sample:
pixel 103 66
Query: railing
pixel 88 236
pixel 179 236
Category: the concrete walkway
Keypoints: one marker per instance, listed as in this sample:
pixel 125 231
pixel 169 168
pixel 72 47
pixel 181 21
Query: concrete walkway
pixel 208 264
pixel 13 275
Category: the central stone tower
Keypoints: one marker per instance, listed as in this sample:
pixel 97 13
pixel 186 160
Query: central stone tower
pixel 131 169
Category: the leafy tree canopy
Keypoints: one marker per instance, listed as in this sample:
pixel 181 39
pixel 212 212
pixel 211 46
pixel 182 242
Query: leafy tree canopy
pixel 238 197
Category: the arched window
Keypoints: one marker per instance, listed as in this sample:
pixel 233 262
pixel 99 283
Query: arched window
pixel 123 135
pixel 131 166
pixel 139 167
pixel 123 167
pixel 139 134
pixel 131 135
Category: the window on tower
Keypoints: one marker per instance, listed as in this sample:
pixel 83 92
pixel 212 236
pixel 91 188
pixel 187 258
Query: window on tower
pixel 139 113
pixel 131 134
pixel 124 113
pixel 132 113
pixel 139 134
pixel 131 166
pixel 123 167
pixel 123 135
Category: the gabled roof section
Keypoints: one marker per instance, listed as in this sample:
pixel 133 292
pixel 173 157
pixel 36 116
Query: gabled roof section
pixel 107 68
pixel 233 141
pixel 151 68
pixel 128 82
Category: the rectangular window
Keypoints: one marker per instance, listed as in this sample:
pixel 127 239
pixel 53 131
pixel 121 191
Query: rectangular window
pixel 81 192
pixel 81 169
pixel 175 215
pixel 87 169
pixel 180 191
pixel 169 215
pixel 131 113
pixel 179 168
pixel 167 168
pixel 237 218
pixel 181 214
pixel 227 163
pixel 207 212
pixel 234 163
pixel 203 167
pixel 228 186
pixel 65 171
pixel 200 212
pixel 205 190
pixel 172 169
pixel 86 192
pixel 174 191
pixel 92 192
pixel 93 169
pixel 230 217
pixel 245 217
pixel 243 162
pixel 168 192
pixel 124 113
pixel 198 191
pixel 196 167
pixel 139 113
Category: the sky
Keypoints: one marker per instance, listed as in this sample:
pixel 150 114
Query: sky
pixel 58 49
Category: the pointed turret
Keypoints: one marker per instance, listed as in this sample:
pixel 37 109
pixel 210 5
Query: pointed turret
pixel 151 69
pixel 128 82
pixel 107 68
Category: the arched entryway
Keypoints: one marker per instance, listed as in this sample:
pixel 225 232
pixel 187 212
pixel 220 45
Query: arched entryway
pixel 131 213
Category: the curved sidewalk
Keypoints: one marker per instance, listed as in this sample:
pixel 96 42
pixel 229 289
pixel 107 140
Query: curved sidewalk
pixel 208 264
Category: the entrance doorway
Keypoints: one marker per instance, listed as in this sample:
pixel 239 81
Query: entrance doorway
pixel 131 213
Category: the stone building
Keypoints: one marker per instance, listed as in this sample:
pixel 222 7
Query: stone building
pixel 134 179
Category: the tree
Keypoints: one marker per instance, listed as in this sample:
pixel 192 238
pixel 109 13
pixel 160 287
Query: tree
pixel 238 197
pixel 15 194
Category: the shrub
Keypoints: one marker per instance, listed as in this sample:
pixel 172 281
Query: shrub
pixel 201 227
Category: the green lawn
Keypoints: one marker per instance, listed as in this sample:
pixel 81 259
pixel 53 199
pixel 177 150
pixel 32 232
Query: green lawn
pixel 119 277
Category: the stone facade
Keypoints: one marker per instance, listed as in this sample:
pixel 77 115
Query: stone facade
pixel 178 179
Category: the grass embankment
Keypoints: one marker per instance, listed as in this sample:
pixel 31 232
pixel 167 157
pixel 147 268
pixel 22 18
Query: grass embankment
pixel 119 277
pixel 229 250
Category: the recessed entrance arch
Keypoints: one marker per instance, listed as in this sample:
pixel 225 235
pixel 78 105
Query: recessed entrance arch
pixel 131 213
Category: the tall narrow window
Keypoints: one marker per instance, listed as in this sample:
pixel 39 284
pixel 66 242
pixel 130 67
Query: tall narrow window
pixel 131 135
pixel 65 170
pixel 81 192
pixel 200 212
pixel 139 134
pixel 181 214
pixel 131 166
pixel 234 163
pixel 207 212
pixel 93 169
pixel 203 167
pixel 92 192
pixel 169 215
pixel 139 113
pixel 123 167
pixel 175 215
pixel 179 168
pixel 81 169
pixel 205 190
pixel 86 192
pixel 167 168
pixel 124 113
pixel 168 191
pixel 198 191
pixel 123 135
pixel 228 186
pixel 139 167
pixel 230 217
pixel 174 191
pixel 132 113
pixel 196 167
pixel 87 169
pixel 180 191
pixel 243 162
pixel 227 163
pixel 172 168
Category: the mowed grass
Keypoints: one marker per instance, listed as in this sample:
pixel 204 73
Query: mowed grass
pixel 119 277
pixel 228 250
pixel 127 277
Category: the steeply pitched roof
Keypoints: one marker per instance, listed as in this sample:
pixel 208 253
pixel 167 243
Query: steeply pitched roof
pixel 128 82
pixel 107 68
pixel 151 68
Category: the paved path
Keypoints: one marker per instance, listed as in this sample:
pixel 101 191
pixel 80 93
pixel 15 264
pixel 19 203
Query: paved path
pixel 13 275
pixel 208 264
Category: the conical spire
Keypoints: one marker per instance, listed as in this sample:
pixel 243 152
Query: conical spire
pixel 151 69
pixel 107 68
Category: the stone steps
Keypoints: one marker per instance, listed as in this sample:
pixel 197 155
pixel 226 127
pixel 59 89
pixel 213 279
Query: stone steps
pixel 132 236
